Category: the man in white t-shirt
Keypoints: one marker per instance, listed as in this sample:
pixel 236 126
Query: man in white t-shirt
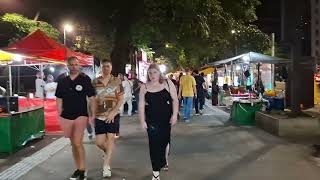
pixel 50 87
pixel 40 86
pixel 127 86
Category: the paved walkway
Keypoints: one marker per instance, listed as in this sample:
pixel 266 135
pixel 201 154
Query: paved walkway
pixel 204 149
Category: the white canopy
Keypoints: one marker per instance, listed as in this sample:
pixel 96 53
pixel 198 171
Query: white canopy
pixel 251 57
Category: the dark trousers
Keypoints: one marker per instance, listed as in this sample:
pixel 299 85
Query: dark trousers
pixel 199 101
pixel 214 99
pixel 135 103
pixel 89 128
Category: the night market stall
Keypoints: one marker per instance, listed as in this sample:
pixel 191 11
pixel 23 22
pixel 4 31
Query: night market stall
pixel 25 118
pixel 247 82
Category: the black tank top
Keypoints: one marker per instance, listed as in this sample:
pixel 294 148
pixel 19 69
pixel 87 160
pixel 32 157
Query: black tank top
pixel 158 107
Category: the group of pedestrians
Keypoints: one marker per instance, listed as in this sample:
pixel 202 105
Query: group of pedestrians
pixel 192 91
pixel 105 95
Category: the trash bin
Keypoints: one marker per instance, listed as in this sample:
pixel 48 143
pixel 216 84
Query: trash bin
pixel 244 113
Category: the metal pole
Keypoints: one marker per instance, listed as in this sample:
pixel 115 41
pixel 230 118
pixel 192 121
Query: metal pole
pixel 93 69
pixel 64 37
pixel 18 77
pixel 236 49
pixel 272 54
pixel 137 64
pixel 10 81
pixel 232 81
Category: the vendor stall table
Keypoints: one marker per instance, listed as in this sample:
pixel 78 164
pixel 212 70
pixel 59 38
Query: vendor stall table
pixel 275 103
pixel 244 113
pixel 16 129
pixel 52 123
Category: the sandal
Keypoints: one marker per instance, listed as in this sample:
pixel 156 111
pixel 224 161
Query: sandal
pixel 156 177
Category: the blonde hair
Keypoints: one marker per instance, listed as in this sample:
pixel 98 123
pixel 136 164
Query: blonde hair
pixel 156 67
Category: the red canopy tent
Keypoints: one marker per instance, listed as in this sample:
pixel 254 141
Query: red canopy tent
pixel 41 47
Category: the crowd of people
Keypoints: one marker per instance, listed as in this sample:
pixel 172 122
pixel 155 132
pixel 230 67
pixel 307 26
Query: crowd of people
pixel 101 103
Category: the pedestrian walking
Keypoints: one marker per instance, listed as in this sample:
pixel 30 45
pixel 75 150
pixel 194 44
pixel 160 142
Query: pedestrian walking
pixel 136 89
pixel 158 111
pixel 187 91
pixel 178 87
pixel 127 86
pixel 72 93
pixel 173 81
pixel 200 98
pixel 109 99
pixel 215 93
pixel 205 87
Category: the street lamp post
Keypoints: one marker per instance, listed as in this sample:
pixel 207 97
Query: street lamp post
pixel 66 28
pixel 233 32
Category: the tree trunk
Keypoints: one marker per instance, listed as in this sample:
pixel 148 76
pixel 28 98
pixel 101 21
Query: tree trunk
pixel 120 52
pixel 130 12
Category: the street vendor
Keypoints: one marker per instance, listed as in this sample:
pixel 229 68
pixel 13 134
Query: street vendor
pixel 40 85
pixel 50 87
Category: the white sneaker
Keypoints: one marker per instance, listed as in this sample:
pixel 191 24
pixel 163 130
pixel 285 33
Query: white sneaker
pixel 106 172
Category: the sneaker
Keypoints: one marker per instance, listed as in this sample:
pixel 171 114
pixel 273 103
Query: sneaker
pixel 79 175
pixel 201 113
pixel 90 136
pixel 166 168
pixel 197 114
pixel 106 172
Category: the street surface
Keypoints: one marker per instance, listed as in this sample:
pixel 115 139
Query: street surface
pixel 208 148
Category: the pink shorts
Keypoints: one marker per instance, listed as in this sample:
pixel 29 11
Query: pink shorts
pixel 73 128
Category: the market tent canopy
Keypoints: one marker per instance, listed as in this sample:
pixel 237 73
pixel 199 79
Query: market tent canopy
pixel 5 57
pixel 207 70
pixel 41 46
pixel 251 57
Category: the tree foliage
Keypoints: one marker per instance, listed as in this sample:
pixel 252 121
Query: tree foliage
pixel 22 26
pixel 92 40
pixel 199 29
